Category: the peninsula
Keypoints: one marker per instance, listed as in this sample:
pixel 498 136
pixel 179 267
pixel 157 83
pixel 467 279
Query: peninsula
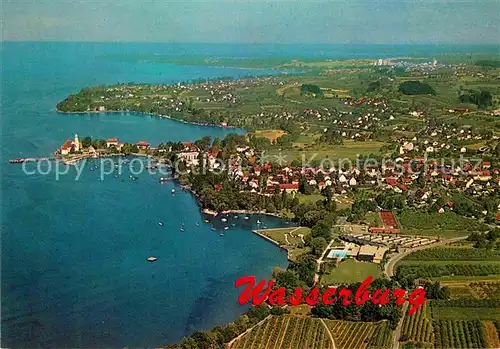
pixel 380 163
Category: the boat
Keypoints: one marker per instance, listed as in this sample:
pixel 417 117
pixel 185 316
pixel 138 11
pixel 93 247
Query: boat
pixel 163 179
pixel 207 221
pixel 233 224
pixel 223 220
pixel 197 224
pixel 246 217
pixel 173 191
pixel 235 217
pixel 226 228
pixel 258 222
pixel 221 234
pixel 214 229
pixel 160 224
pixel 152 259
pixel 182 229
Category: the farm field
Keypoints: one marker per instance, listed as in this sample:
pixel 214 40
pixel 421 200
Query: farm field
pixel 487 289
pixel 418 327
pixel 350 271
pixel 347 335
pixel 454 254
pixel 492 334
pixel 447 224
pixel 292 332
pixel 286 332
pixel 465 309
pixel 449 270
pixel 459 334
pixel 350 149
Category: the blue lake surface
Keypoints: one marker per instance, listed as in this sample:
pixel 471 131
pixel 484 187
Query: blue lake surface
pixel 73 252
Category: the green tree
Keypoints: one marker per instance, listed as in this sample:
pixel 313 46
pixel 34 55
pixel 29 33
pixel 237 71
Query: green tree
pixel 318 245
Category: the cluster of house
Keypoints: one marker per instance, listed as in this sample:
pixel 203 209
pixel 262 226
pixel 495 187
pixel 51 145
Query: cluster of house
pixel 398 176
pixel 75 146
pixel 169 95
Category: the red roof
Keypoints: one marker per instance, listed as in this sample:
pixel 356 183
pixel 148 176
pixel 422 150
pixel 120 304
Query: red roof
pixel 384 230
pixel 218 187
pixel 391 181
pixel 143 143
pixel 289 186
pixel 67 145
pixel 112 140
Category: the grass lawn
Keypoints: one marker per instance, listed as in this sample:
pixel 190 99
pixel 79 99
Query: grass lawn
pixel 373 219
pixel 350 271
pixel 303 199
pixel 292 242
pixel 272 135
pixel 302 309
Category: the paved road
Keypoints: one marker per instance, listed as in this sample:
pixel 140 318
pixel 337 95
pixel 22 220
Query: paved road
pixel 320 260
pixel 397 332
pixel 389 267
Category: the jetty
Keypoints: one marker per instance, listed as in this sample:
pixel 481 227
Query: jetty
pixel 21 160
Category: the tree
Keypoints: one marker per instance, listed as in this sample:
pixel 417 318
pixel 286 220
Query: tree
pixel 305 188
pixel 271 208
pixel 87 142
pixel 318 245
pixel 414 87
pixel 322 229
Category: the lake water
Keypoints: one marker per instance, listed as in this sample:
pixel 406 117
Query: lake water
pixel 74 270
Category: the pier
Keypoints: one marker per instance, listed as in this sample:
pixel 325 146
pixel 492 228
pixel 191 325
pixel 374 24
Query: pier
pixel 21 160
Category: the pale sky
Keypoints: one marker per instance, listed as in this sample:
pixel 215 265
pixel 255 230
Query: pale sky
pixel 292 21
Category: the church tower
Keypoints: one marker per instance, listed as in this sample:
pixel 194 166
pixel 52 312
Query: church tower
pixel 77 143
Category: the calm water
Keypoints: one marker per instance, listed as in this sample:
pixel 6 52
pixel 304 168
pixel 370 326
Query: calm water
pixel 73 252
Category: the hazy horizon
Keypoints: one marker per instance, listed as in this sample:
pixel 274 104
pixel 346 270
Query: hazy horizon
pixel 416 22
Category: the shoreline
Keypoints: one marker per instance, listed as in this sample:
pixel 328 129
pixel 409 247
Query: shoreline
pixel 150 114
pixel 215 214
pixel 277 244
